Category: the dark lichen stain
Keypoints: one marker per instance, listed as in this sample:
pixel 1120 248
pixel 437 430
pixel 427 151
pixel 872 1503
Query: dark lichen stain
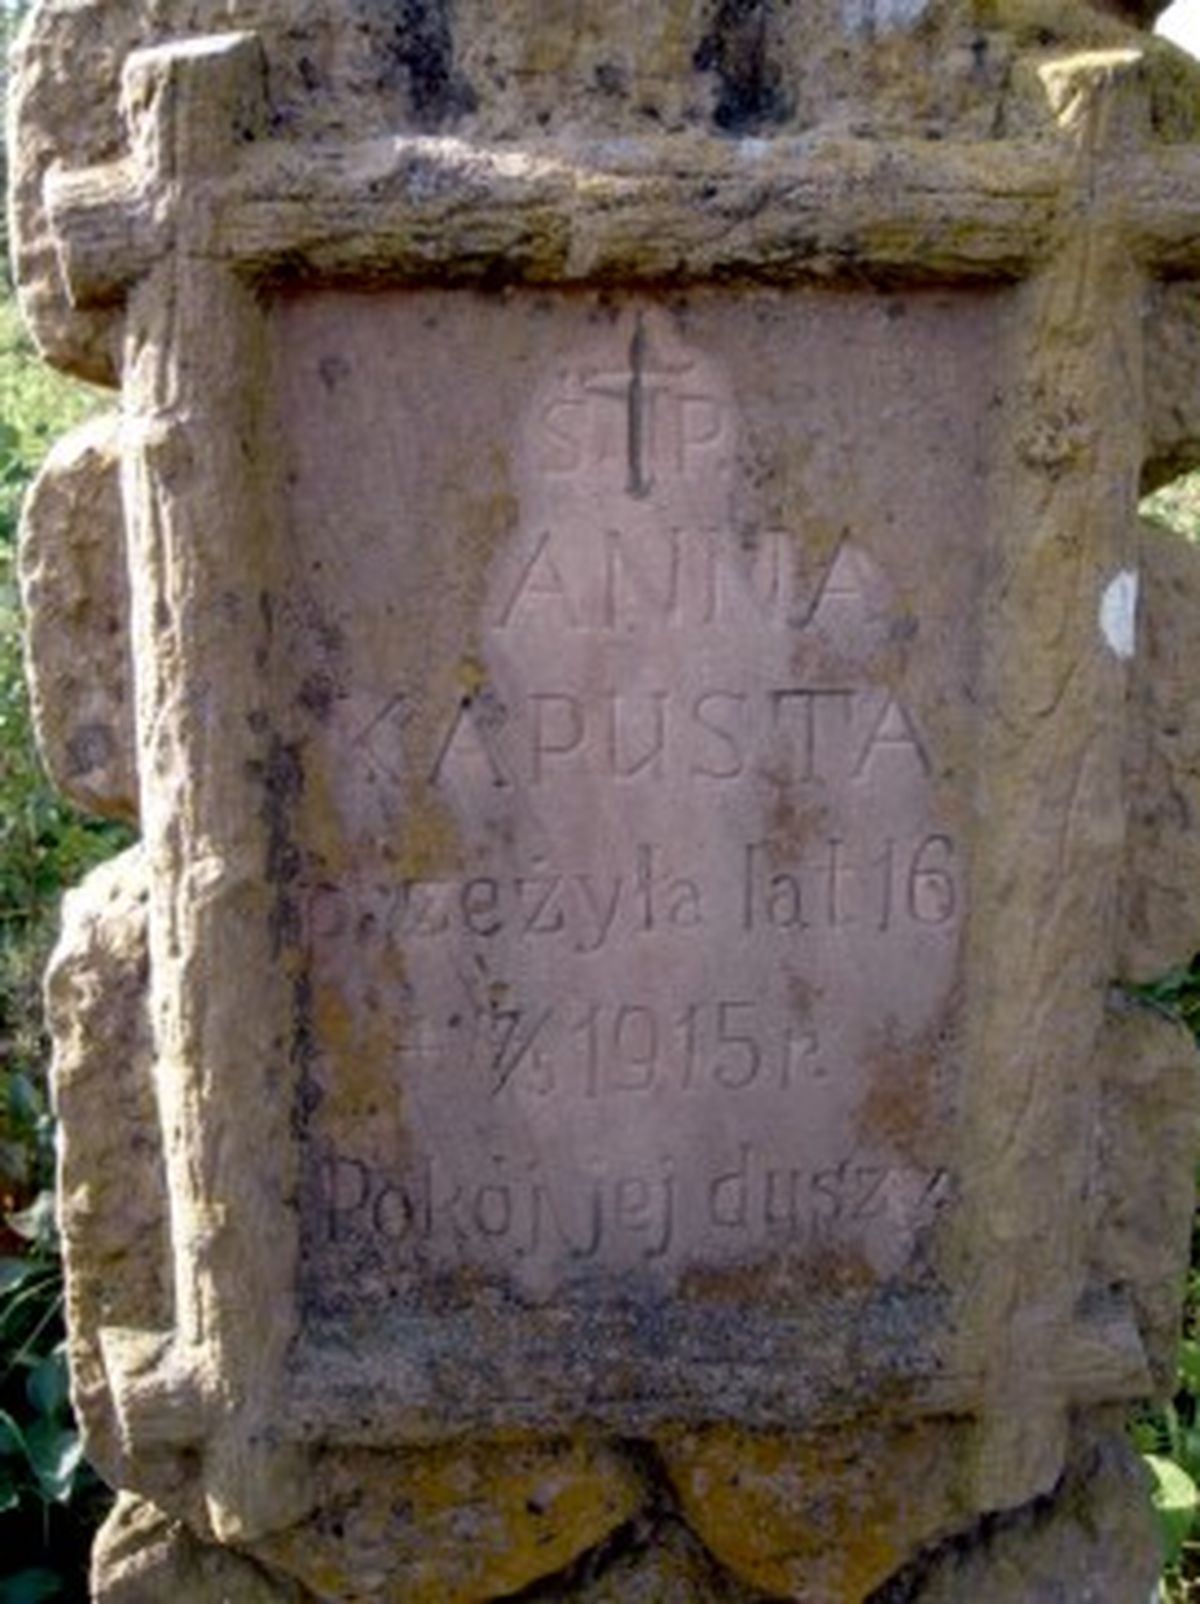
pixel 266 616
pixel 1021 1527
pixel 415 44
pixel 332 370
pixel 611 78
pixel 303 1052
pixel 317 695
pixel 279 773
pixel 616 1562
pixel 751 93
pixel 283 784
pixel 90 747
pixel 310 74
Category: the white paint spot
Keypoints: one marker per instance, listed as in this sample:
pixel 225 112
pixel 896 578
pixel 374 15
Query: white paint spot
pixel 1118 614
pixel 877 16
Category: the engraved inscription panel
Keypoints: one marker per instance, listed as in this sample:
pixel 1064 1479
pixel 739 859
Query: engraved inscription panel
pixel 633 658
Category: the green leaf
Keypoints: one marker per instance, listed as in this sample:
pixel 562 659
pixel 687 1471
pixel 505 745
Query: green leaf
pixel 12 1438
pixel 1176 1499
pixel 1147 1435
pixel 39 1299
pixel 10 439
pixel 31 1587
pixel 47 1385
pixel 55 1453
pixel 15 1272
pixel 36 1223
pixel 1189 1366
pixel 10 1489
pixel 1186 1452
pixel 25 1102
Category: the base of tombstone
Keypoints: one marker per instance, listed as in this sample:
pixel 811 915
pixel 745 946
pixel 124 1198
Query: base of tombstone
pixel 1091 1541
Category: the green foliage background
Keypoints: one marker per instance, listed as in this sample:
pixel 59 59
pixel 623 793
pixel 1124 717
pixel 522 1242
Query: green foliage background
pixel 49 1500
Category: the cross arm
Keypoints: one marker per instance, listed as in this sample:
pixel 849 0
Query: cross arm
pixel 409 209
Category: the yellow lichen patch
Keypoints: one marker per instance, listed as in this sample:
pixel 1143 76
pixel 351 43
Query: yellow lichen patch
pixel 358 1043
pixel 674 42
pixel 472 675
pixel 429 841
pixel 481 509
pixel 822 1519
pixel 456 1525
pixel 903 1110
pixel 332 1018
pixel 319 822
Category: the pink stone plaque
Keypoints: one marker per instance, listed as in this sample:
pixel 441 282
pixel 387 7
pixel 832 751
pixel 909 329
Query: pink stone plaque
pixel 632 742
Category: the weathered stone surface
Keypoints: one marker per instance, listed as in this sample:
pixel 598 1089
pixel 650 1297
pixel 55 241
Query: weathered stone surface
pixel 683 741
pixel 456 1525
pixel 112 1196
pixel 654 1560
pixel 441 1527
pixel 634 596
pixel 1158 930
pixel 143 1557
pixel 829 1518
pixel 1173 417
pixel 1091 1541
pixel 356 70
pixel 76 593
pixel 1145 1194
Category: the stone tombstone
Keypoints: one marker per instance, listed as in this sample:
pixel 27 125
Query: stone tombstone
pixel 662 754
